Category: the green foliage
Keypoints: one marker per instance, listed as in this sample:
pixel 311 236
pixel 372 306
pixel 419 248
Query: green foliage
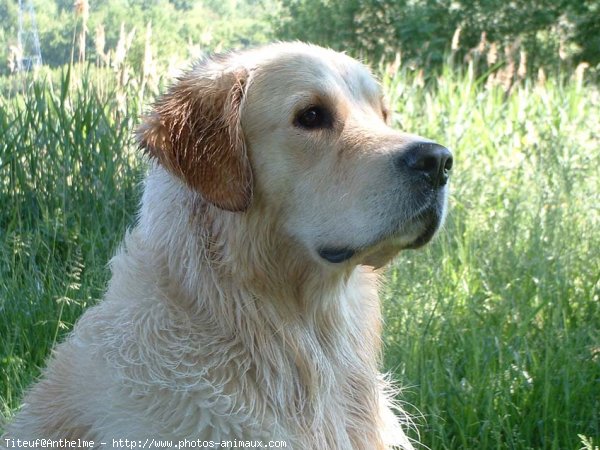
pixel 68 189
pixel 585 17
pixel 494 326
pixel 176 25
pixel 551 32
pixel 423 29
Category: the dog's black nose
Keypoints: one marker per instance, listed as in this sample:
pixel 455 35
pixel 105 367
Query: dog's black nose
pixel 429 159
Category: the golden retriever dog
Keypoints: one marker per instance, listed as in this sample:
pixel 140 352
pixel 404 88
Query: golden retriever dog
pixel 243 306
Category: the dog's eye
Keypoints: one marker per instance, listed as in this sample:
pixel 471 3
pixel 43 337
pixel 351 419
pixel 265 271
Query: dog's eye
pixel 314 117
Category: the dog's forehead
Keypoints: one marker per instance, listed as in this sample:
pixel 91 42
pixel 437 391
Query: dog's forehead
pixel 309 68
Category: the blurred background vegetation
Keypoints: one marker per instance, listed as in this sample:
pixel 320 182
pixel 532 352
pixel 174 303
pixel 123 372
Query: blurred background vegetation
pixel 545 32
pixel 493 329
pixel 182 27
pixel 423 29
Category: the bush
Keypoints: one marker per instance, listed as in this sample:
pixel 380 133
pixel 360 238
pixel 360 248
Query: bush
pixel 422 30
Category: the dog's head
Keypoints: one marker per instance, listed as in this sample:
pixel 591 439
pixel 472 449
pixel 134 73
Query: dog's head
pixel 303 133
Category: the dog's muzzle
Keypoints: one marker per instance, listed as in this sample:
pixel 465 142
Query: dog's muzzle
pixel 425 164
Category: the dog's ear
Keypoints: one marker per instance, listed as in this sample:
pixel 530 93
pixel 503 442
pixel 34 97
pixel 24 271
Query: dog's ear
pixel 194 132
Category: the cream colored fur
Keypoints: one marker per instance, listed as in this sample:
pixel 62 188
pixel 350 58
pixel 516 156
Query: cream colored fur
pixel 221 321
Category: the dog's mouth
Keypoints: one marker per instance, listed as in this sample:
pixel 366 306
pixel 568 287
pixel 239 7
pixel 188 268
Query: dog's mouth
pixel 411 234
pixel 336 254
pixel 432 224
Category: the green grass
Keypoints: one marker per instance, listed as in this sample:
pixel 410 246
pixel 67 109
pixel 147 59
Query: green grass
pixel 68 189
pixel 494 328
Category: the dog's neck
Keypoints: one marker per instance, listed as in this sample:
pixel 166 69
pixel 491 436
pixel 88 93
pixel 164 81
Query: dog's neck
pixel 239 265
pixel 236 250
pixel 310 331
